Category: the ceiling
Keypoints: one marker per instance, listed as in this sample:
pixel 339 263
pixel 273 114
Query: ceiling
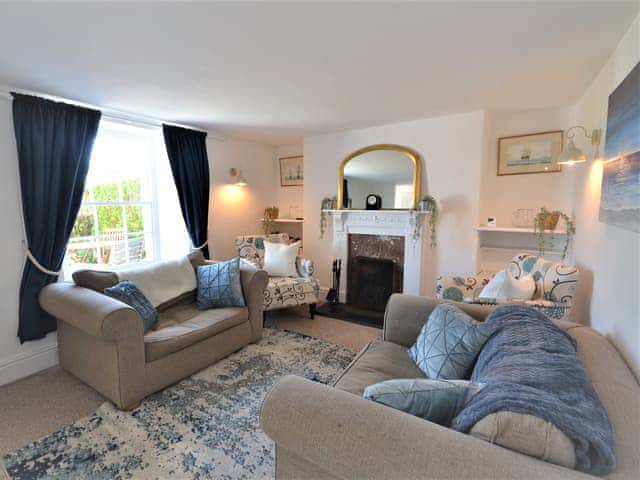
pixel 278 71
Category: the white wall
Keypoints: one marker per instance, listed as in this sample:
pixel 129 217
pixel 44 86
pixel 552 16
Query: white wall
pixel 236 210
pixel 15 360
pixel 451 148
pixel 501 195
pixel 608 256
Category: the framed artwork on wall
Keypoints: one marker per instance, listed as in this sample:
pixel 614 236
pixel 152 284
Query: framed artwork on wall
pixel 531 153
pixel 292 171
pixel 620 197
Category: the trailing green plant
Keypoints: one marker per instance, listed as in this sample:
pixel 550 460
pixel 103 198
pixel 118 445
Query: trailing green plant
pixel 428 204
pixel 326 205
pixel 547 220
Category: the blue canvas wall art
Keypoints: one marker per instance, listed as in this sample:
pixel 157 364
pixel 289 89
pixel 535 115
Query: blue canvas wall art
pixel 623 117
pixel 620 198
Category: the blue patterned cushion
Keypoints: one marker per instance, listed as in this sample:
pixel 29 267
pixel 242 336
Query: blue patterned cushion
pixel 438 401
pixel 129 293
pixel 219 285
pixel 449 343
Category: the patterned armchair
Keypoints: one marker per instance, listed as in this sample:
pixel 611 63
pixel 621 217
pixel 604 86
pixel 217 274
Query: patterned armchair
pixel 555 285
pixel 281 292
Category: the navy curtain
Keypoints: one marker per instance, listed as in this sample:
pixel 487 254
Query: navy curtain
pixel 187 151
pixel 54 143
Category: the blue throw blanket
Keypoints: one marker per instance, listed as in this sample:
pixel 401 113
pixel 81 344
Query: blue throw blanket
pixel 530 366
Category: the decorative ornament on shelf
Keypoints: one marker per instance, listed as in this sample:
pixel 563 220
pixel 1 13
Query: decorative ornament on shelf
pixel 548 220
pixel 268 224
pixel 429 205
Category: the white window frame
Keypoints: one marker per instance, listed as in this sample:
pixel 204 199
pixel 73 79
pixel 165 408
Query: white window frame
pixel 152 203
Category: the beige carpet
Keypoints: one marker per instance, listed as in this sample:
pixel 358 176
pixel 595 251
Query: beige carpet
pixel 42 403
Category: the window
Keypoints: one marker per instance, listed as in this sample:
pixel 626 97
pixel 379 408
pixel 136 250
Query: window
pixel 404 196
pixel 128 185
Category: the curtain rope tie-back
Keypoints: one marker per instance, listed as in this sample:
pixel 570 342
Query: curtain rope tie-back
pixel 195 249
pixel 36 263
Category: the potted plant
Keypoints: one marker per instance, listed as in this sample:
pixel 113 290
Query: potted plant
pixel 547 220
pixel 428 205
pixel 268 224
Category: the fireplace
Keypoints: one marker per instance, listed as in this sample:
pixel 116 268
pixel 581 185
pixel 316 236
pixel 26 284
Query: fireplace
pixel 381 253
pixel 374 271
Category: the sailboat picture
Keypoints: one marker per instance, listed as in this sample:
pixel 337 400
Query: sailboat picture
pixel 532 153
pixel 291 171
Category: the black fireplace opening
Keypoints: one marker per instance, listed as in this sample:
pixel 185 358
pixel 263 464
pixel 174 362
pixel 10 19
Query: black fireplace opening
pixel 370 283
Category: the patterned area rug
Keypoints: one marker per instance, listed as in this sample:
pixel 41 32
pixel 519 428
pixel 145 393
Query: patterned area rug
pixel 203 427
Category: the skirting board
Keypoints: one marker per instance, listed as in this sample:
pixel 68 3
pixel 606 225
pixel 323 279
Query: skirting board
pixel 25 364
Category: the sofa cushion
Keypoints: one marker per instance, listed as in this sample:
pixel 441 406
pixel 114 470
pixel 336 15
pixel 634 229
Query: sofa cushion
pixel 219 285
pixel 449 343
pixel 184 325
pixel 129 293
pixel 162 281
pixel 377 362
pixel 95 279
pixel 438 401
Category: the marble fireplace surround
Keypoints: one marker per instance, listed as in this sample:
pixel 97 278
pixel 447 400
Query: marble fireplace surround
pixel 381 222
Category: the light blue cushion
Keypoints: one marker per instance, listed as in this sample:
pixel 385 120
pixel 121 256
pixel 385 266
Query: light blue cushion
pixel 129 293
pixel 449 343
pixel 438 401
pixel 219 285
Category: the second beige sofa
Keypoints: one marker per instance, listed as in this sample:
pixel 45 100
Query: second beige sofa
pixel 324 432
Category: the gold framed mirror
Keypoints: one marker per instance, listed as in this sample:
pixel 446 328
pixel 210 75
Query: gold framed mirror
pixel 386 172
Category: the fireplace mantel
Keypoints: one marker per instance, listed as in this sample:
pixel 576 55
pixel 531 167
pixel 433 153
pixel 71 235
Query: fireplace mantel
pixel 383 222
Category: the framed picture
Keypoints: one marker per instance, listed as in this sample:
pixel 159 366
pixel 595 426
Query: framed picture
pixel 532 153
pixel 620 195
pixel 292 171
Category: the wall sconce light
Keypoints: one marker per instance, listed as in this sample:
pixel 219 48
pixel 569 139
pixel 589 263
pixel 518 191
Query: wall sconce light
pixel 571 154
pixel 237 178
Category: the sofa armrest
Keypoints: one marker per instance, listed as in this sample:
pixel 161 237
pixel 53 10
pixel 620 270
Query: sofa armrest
pixel 92 312
pixel 350 437
pixel 457 288
pixel 254 283
pixel 406 314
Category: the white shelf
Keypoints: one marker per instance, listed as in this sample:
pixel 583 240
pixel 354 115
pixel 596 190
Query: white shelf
pixel 285 220
pixel 518 230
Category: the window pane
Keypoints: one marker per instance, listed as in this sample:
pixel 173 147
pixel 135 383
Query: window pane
pixel 132 190
pixel 135 219
pixel 82 251
pixel 105 192
pixel 137 245
pixel 85 223
pixel 110 221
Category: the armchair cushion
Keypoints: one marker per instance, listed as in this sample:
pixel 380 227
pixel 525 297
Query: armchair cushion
pixel 458 288
pixel 555 282
pixel 290 291
pixel 251 247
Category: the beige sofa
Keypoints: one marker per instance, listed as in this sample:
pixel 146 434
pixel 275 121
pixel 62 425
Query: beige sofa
pixel 323 432
pixel 101 340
